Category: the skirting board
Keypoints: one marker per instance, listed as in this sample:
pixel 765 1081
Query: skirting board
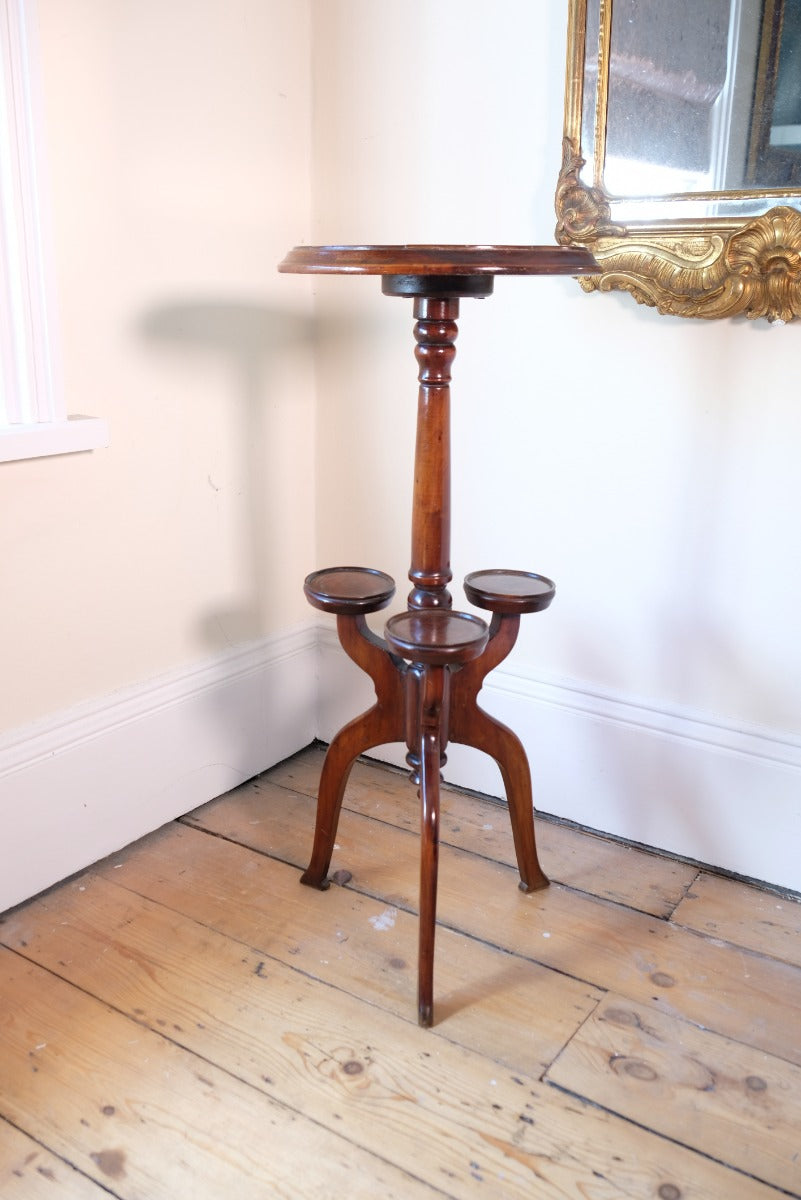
pixel 84 783
pixel 684 782
pixel 88 781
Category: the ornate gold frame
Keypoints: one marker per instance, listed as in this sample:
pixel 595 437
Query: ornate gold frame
pixel 710 268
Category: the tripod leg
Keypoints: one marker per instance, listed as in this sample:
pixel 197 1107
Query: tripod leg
pixel 431 737
pixel 384 722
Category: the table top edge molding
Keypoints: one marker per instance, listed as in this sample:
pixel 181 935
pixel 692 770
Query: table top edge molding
pixel 424 260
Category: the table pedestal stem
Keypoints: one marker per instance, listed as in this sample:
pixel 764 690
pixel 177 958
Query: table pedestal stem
pixel 430 572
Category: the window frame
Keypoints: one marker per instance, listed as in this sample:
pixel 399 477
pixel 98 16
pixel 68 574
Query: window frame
pixel 33 415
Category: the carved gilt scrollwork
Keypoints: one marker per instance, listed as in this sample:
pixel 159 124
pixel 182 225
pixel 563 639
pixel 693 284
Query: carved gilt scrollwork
pixel 752 269
pixel 582 212
pixel 727 265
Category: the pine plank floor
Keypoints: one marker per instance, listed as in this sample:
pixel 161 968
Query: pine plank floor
pixel 184 1020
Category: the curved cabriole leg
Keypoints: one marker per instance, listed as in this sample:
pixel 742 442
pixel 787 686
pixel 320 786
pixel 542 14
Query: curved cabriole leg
pixel 431 711
pixel 471 726
pixel 381 723
pixel 373 728
pixel 505 747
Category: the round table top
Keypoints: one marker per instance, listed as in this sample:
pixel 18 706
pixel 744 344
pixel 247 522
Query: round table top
pixel 439 260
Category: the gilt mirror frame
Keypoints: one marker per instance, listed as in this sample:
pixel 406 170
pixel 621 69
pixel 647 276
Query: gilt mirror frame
pixel 741 257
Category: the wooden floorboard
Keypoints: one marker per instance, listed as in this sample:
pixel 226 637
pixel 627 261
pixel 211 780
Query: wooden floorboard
pixel 185 1019
pixel 744 916
pixel 30 1171
pixel 694 1086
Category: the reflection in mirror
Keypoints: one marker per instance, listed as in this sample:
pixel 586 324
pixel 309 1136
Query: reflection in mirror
pixel 774 152
pixel 681 116
pixel 667 89
pixel 707 102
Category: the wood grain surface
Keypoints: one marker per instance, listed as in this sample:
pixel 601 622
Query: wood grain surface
pixel 185 1019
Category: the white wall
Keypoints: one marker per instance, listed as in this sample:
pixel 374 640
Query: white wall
pixel 178 141
pixel 648 464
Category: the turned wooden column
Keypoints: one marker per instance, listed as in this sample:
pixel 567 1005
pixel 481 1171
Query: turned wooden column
pixel 430 570
pixel 436 311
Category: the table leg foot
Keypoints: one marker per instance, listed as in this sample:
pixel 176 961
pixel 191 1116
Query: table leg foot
pixel 497 740
pixel 373 728
pixel 382 723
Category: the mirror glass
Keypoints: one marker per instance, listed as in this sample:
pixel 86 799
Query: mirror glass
pixel 702 101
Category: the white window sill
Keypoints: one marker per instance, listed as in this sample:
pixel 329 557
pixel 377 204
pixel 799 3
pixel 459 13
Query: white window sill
pixel 57 437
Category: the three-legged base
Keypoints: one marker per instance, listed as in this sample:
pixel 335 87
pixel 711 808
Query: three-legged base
pixel 427 675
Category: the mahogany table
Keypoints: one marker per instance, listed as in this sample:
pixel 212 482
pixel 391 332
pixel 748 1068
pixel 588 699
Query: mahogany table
pixel 429 667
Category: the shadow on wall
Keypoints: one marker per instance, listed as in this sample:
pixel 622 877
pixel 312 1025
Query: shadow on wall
pixel 254 341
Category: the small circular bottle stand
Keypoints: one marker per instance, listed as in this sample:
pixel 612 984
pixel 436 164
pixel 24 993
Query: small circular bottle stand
pixel 430 665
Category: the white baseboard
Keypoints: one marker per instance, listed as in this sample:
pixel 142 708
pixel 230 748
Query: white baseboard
pixel 84 783
pixel 686 782
pixel 81 784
